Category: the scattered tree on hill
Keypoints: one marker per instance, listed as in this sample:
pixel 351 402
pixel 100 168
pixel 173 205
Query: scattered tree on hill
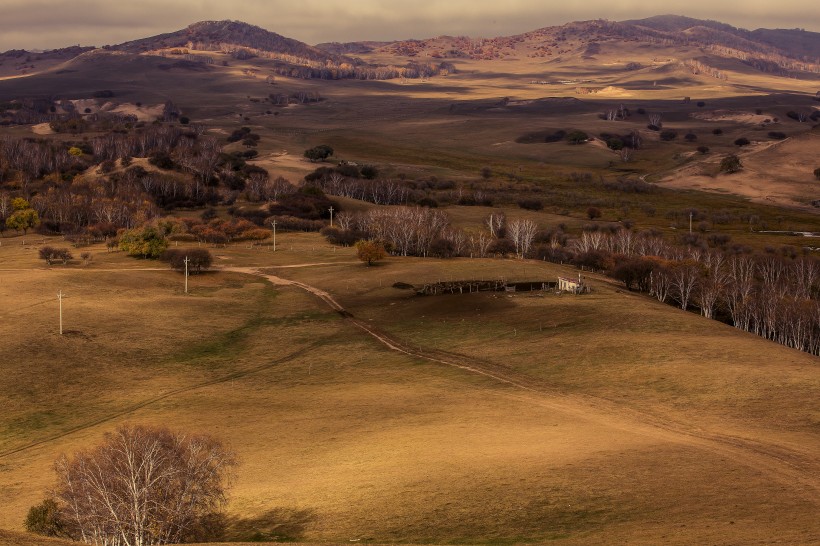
pixel 370 251
pixel 45 519
pixel 319 153
pixel 577 137
pixel 142 486
pixel 51 254
pixel 703 149
pixel 24 217
pixel 742 141
pixel 145 242
pixel 730 164
pixel 817 173
pixel 199 259
pixel 369 172
pixel 593 213
pixel 614 143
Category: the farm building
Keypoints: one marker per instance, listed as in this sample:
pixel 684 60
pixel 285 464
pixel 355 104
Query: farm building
pixel 575 286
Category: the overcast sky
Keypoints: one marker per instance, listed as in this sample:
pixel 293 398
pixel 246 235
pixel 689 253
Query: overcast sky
pixel 31 24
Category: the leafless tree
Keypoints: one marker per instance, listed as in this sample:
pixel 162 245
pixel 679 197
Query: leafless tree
pixel 344 220
pixel 635 140
pixel 624 242
pixel 590 240
pixel 479 245
pixel 256 185
pixel 277 187
pixel 739 289
pixel 5 206
pixel 685 276
pixel 143 486
pixel 803 273
pixel 496 222
pixel 521 233
pixel 712 284
pixel 661 282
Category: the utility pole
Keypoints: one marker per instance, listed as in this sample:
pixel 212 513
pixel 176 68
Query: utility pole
pixel 331 216
pixel 186 273
pixel 690 222
pixel 273 225
pixel 60 298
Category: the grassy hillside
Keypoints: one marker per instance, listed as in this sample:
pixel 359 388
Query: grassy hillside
pixel 515 417
pixel 606 418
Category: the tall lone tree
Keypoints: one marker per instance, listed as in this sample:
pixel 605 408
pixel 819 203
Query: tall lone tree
pixel 370 251
pixel 143 486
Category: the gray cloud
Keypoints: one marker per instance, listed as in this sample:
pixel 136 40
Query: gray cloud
pixel 33 24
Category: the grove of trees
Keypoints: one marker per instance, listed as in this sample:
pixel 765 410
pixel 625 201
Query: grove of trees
pixel 199 259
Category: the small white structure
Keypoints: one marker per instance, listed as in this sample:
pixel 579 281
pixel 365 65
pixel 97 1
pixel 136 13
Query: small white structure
pixel 574 286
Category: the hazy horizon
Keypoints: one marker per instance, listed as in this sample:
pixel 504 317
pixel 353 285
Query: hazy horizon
pixel 97 23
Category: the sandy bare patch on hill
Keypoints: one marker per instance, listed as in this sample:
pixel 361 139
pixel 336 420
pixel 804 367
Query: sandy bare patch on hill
pixel 286 165
pixel 612 91
pixel 143 113
pixel 42 129
pixel 779 173
pixel 733 115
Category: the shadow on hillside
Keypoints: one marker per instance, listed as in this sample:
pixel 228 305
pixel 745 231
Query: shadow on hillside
pixel 277 525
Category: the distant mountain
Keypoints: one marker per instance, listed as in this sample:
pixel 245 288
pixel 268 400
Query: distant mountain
pixel 292 57
pixel 350 48
pixel 230 36
pixel 799 43
pixel 678 23
pixel 781 52
pixel 794 43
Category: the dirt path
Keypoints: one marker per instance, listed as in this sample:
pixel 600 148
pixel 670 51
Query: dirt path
pixel 798 469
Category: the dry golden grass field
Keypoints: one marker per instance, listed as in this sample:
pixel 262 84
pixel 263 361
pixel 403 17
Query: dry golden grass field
pixel 479 418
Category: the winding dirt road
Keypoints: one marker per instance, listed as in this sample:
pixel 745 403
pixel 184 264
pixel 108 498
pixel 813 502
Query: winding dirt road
pixel 796 467
pixel 799 469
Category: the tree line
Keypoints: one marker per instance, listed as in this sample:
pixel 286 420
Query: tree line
pixel 772 295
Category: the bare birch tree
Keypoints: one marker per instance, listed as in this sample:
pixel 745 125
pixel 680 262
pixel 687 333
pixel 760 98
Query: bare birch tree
pixel 521 233
pixel 143 486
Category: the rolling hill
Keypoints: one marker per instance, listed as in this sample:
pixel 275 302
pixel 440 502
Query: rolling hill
pixel 360 411
pixel 232 37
